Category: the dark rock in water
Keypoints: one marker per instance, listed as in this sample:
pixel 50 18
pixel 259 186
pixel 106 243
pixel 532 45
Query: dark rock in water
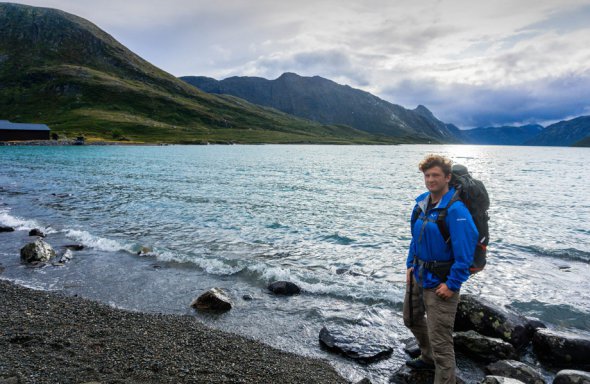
pixel 156 266
pixel 214 299
pixel 516 370
pixel 4 228
pixel 146 251
pixel 74 247
pixel 562 349
pixel 412 348
pixel 364 381
pixel 536 323
pixel 482 347
pixel 500 380
pixel 358 343
pixel 570 376
pixel 284 288
pixel 247 297
pixel 37 251
pixel 36 232
pixel 491 320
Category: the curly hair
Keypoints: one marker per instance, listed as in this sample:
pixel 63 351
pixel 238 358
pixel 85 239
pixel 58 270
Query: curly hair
pixel 433 160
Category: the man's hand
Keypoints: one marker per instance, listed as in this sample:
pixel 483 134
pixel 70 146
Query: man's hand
pixel 443 291
pixel 409 274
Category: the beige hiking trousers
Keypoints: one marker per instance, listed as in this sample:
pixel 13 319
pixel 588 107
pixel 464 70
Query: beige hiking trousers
pixel 433 327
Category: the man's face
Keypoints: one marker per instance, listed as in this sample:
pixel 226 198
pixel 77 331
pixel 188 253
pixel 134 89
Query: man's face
pixel 436 180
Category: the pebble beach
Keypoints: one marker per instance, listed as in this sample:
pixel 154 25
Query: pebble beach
pixel 51 338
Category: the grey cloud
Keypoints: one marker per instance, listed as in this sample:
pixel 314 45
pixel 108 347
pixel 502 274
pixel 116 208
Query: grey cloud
pixel 476 106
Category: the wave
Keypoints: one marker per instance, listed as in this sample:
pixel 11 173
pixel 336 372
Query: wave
pixel 338 239
pixel 21 224
pixel 96 242
pixel 566 254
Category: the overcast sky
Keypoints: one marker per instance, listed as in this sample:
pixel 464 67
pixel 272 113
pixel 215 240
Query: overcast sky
pixel 472 63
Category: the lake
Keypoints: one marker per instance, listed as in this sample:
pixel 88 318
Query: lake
pixel 332 219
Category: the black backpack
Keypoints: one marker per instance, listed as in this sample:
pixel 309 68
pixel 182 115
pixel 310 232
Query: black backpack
pixel 473 194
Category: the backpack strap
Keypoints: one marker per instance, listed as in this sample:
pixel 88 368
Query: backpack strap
pixel 441 219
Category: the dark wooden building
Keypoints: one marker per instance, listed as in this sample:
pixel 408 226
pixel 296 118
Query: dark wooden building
pixel 19 132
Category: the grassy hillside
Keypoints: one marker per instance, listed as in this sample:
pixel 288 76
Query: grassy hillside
pixel 61 70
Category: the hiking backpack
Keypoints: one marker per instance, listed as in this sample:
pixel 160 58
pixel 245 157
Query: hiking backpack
pixel 473 194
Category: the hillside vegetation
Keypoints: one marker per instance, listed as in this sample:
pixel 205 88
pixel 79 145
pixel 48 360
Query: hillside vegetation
pixel 62 70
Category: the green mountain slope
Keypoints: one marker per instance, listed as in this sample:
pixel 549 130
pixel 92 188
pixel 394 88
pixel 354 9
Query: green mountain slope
pixel 62 70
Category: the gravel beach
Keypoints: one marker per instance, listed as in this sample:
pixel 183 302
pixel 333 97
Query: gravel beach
pixel 50 338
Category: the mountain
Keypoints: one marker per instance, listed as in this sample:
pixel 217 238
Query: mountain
pixel 504 135
pixel 585 142
pixel 62 70
pixel 327 102
pixel 564 133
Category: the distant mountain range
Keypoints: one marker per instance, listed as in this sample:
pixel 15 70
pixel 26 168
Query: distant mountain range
pixel 62 70
pixel 505 135
pixel 327 102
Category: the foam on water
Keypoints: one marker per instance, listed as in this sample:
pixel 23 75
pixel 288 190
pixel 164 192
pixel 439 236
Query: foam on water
pixel 96 242
pixel 19 223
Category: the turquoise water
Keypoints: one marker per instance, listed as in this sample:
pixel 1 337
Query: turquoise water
pixel 333 219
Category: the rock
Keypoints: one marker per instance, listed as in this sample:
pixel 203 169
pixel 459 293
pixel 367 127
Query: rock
pixel 482 347
pixel 214 299
pixel 562 349
pixel 407 376
pixel 67 256
pixel 357 343
pixel 247 297
pixel 570 376
pixel 412 348
pixel 284 288
pixel 37 251
pixel 36 232
pixel 491 320
pixel 145 251
pixel 364 381
pixel 500 380
pixel 516 370
pixel 4 228
pixel 74 247
pixel 536 323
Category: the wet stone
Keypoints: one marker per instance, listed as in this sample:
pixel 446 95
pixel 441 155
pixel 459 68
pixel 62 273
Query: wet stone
pixel 37 251
pixel 483 347
pixel 214 299
pixel 36 232
pixel 500 380
pixel 562 349
pixel 284 288
pixel 570 376
pixel 516 370
pixel 4 228
pixel 356 342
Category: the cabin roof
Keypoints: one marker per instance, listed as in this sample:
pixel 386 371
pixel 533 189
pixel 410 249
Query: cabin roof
pixel 5 124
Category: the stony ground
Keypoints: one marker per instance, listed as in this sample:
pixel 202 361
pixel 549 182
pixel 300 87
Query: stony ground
pixel 49 338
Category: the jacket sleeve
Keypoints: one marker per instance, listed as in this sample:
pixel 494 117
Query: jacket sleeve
pixel 411 251
pixel 464 237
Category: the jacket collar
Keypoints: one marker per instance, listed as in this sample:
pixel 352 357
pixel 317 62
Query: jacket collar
pixel 422 200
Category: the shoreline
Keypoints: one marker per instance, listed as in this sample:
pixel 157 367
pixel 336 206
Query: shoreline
pixel 49 337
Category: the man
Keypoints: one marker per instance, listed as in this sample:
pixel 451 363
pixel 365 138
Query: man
pixel 436 269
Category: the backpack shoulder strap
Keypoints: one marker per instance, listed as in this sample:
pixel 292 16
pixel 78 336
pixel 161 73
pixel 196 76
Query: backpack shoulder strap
pixel 415 215
pixel 441 219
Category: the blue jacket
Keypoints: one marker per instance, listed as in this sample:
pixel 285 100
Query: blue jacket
pixel 430 245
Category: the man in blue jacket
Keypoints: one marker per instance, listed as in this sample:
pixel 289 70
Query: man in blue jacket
pixel 436 269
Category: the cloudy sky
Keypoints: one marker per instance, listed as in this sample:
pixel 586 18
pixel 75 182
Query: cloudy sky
pixel 473 63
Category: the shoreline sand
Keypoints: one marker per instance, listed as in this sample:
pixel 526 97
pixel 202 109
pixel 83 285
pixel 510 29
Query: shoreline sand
pixel 47 337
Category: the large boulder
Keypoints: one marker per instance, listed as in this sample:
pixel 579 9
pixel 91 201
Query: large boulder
pixel 36 251
pixel 570 376
pixel 284 288
pixel 516 370
pixel 491 320
pixel 483 347
pixel 4 228
pixel 500 380
pixel 562 349
pixel 214 299
pixel 358 343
